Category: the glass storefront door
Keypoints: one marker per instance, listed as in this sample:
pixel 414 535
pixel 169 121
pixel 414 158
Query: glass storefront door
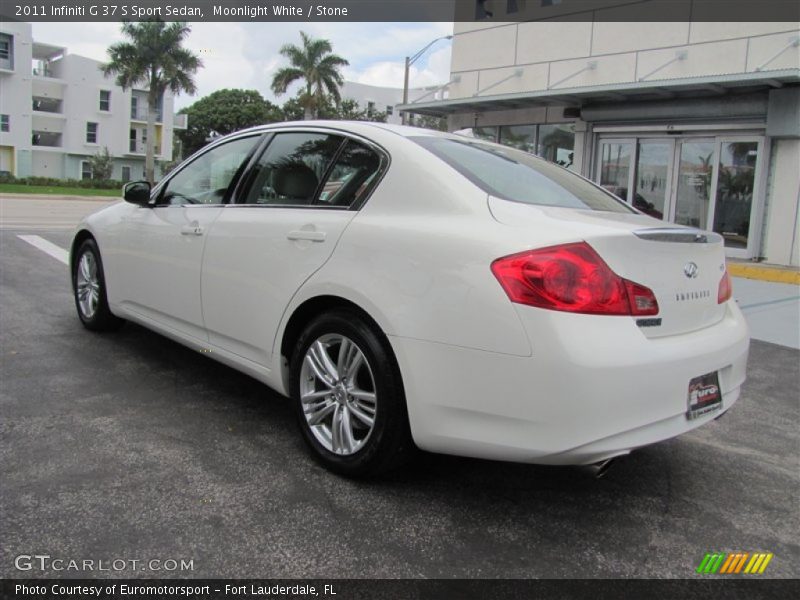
pixel 736 184
pixel 615 168
pixel 711 182
pixel 653 179
pixel 695 163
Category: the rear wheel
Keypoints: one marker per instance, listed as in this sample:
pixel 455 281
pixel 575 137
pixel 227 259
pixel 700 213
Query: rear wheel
pixel 89 287
pixel 348 396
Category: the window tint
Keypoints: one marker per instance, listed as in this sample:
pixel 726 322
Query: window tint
pixel 292 167
pixel 513 175
pixel 206 179
pixel 352 176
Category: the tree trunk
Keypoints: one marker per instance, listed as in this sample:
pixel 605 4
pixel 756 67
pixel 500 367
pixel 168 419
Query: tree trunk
pixel 308 113
pixel 149 156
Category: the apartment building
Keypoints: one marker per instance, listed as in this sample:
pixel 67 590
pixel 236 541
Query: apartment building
pixel 696 123
pixel 57 110
pixel 386 99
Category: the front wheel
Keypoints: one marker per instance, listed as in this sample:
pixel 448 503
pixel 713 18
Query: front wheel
pixel 348 395
pixel 89 288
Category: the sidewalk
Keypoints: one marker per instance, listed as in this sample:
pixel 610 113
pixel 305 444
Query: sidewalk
pixel 772 310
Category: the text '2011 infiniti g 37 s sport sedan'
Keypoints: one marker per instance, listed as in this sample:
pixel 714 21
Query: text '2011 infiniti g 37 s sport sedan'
pixel 409 288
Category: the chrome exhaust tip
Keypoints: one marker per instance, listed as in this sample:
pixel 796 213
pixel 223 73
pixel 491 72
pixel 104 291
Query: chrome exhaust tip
pixel 598 469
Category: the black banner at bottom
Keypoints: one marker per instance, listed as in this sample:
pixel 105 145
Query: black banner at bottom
pixel 390 589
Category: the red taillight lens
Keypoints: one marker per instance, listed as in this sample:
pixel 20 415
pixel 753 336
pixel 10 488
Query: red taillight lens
pixel 571 278
pixel 725 290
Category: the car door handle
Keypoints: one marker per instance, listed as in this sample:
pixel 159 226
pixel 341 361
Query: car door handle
pixel 302 234
pixel 191 230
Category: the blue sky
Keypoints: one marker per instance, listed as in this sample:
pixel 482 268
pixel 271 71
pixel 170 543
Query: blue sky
pixel 245 55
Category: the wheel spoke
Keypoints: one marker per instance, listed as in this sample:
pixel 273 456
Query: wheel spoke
pixel 310 397
pixel 317 369
pixel 348 440
pixel 318 412
pixel 362 416
pixel 84 266
pixel 321 354
pixel 362 395
pixel 336 428
pixel 350 359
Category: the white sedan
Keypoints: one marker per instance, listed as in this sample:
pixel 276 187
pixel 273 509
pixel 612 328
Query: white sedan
pixel 409 288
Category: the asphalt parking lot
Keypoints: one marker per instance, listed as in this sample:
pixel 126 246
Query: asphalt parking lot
pixel 130 446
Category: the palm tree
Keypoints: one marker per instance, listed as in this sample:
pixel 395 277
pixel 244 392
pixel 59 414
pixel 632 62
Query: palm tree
pixel 314 64
pixel 153 57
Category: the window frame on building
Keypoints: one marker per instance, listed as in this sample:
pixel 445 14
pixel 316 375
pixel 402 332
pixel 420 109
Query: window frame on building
pixel 92 132
pixel 5 123
pixel 105 101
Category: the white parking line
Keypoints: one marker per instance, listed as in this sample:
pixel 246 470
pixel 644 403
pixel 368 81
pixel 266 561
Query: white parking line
pixel 47 247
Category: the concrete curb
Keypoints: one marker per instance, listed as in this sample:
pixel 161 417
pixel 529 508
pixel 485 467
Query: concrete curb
pixel 11 196
pixel 764 273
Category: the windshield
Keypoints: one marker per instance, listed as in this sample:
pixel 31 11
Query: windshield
pixel 518 176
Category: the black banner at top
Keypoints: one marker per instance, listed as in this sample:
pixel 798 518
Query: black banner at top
pixel 478 11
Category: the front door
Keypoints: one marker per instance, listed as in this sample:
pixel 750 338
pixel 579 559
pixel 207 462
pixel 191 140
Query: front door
pixel 161 247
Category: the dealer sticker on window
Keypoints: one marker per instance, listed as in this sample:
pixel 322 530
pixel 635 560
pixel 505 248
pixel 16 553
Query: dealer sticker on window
pixel 704 395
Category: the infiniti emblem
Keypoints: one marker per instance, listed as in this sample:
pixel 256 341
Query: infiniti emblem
pixel 690 270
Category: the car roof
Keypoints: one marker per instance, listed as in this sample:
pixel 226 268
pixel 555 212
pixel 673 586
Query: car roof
pixel 362 127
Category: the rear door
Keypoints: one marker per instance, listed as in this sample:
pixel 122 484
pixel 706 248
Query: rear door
pixel 300 196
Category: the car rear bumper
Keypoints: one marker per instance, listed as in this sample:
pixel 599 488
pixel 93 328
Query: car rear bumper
pixel 594 388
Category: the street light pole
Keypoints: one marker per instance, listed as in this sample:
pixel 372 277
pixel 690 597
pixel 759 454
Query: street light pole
pixel 404 116
pixel 410 60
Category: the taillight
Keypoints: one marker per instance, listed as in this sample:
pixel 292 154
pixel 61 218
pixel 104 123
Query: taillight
pixel 725 290
pixel 571 278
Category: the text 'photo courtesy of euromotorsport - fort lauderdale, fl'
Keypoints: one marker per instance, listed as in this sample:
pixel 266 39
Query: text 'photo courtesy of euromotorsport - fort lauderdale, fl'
pixel 475 299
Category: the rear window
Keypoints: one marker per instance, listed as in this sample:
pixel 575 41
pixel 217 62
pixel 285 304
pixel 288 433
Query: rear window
pixel 515 175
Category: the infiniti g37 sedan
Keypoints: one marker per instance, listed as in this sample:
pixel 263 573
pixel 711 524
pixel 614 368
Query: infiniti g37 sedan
pixel 409 288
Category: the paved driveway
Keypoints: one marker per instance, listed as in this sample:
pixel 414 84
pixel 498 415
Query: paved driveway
pixel 130 446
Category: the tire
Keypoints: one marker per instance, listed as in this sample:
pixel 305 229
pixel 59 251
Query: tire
pixel 339 394
pixel 89 290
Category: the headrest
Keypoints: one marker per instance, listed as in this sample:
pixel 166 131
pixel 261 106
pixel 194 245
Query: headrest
pixel 295 180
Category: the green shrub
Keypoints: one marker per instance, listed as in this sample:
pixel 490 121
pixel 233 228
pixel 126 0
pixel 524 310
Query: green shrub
pixel 97 184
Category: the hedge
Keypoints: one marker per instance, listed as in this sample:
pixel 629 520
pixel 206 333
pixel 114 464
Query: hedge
pixel 98 184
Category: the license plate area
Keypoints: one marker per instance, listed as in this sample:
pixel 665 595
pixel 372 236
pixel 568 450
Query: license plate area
pixel 704 396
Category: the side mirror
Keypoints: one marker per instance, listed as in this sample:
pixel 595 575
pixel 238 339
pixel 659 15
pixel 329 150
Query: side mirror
pixel 137 192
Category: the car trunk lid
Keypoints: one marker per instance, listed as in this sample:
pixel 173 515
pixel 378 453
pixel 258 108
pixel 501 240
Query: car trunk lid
pixel 682 266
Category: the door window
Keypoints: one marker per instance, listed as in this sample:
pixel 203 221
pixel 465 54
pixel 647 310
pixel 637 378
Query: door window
pixel 292 167
pixel 735 183
pixel 352 177
pixel 695 171
pixel 652 177
pixel 615 167
pixel 206 179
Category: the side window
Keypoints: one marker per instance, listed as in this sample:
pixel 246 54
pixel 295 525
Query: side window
pixel 351 177
pixel 206 179
pixel 292 167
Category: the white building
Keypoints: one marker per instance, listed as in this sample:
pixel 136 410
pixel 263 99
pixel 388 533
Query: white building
pixel 694 122
pixel 58 110
pixel 386 99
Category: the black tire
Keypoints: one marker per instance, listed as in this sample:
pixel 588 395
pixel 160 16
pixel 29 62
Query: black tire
pixel 389 443
pixel 101 319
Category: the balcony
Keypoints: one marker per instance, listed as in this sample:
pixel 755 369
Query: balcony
pixel 135 147
pixel 46 139
pixel 141 114
pixel 47 105
pixel 47 60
